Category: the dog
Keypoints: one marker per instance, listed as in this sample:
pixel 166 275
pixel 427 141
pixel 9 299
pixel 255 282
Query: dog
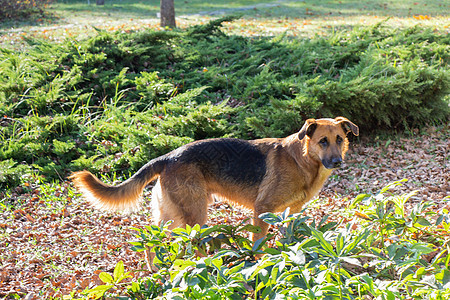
pixel 265 175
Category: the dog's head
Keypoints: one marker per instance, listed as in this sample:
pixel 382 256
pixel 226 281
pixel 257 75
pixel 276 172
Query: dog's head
pixel 326 140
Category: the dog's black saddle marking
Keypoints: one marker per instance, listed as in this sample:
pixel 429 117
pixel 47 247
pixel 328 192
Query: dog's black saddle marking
pixel 226 159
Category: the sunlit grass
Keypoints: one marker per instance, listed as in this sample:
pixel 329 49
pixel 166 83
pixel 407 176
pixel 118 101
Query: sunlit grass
pixel 76 19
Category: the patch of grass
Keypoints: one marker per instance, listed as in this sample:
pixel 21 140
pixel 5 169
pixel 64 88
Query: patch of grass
pixel 136 9
pixel 268 18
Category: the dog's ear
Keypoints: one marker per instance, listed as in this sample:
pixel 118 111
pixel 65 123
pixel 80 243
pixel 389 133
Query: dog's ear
pixel 308 129
pixel 347 125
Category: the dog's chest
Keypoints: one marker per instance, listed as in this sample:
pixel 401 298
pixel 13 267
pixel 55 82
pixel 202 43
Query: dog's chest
pixel 300 197
pixel 318 182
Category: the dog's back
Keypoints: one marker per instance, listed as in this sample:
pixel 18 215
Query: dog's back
pixel 231 160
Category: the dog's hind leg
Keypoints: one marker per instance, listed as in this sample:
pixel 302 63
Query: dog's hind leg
pixel 261 224
pixel 182 196
pixel 163 209
pixel 185 199
pixel 180 199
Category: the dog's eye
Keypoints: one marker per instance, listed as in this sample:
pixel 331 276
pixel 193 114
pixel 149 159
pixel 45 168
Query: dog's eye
pixel 323 142
pixel 339 140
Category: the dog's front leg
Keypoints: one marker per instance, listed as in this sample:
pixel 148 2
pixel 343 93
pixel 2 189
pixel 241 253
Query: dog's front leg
pixel 149 256
pixel 261 224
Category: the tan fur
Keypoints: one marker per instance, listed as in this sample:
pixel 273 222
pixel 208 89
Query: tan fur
pixel 295 173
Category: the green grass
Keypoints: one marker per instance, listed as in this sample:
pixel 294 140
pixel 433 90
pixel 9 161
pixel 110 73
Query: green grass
pixel 127 9
pixel 299 18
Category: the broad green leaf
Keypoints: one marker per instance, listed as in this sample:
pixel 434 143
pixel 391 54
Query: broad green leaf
pixel 135 287
pixel 358 199
pixel 118 271
pixel 392 185
pixel 420 271
pixel 422 221
pixel 439 220
pixel 99 291
pixel 208 230
pixel 443 276
pixel 390 295
pixel 324 243
pixel 270 218
pixel 106 277
pixel 193 281
pixel 422 248
pixel 257 244
pixel 235 269
pixel 285 213
pixel 251 228
pixel 331 288
pixel 138 248
pixel 217 262
pixel 271 251
pixel 351 260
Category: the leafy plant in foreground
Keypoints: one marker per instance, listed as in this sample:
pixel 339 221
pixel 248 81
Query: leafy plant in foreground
pixel 385 252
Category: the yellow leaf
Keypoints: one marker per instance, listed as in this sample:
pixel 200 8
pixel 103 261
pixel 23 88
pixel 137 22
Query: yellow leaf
pixel 362 216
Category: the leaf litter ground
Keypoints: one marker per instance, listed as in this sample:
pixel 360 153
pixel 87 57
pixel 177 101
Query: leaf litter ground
pixel 53 243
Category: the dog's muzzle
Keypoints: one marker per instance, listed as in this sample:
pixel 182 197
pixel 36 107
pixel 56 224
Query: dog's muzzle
pixel 333 163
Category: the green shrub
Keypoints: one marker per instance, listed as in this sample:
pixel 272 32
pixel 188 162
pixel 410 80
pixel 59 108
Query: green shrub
pixel 122 99
pixel 11 173
pixel 17 9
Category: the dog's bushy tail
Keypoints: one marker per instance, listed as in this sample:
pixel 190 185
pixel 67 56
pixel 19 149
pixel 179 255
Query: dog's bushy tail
pixel 125 196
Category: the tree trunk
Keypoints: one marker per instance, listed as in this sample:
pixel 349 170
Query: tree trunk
pixel 167 11
pixel 100 2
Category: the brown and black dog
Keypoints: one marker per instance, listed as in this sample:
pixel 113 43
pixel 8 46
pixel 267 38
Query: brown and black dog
pixel 265 175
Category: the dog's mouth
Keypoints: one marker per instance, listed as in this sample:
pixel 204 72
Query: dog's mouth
pixel 332 163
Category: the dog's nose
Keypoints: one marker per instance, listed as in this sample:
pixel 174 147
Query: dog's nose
pixel 336 162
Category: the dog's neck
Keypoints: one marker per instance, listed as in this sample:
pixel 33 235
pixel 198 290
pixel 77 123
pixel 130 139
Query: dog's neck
pixel 320 174
pixel 295 148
